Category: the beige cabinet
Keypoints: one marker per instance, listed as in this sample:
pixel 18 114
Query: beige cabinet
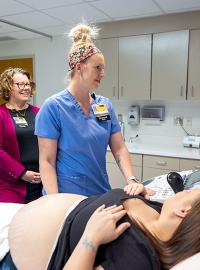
pixel 169 65
pixel 109 84
pixel 189 164
pixel 116 178
pixel 135 67
pixel 127 67
pixel 194 66
pixel 158 165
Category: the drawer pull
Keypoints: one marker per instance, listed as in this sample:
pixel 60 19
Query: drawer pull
pixel 161 163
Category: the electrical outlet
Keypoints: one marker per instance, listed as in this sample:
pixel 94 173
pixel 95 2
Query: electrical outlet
pixel 187 121
pixel 178 120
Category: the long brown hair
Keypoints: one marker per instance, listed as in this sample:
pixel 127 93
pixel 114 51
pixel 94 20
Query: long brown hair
pixel 185 241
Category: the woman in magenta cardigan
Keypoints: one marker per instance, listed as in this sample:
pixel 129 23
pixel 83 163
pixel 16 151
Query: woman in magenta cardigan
pixel 19 162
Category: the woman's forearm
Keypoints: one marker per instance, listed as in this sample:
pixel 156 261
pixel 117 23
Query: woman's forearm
pixel 83 255
pixel 48 177
pixel 123 160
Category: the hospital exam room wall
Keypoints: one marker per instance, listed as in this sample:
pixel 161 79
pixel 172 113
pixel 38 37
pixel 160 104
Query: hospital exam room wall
pixel 50 66
pixel 49 58
pixel 50 62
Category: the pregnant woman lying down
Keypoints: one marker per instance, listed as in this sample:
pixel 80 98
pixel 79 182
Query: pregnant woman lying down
pixel 111 231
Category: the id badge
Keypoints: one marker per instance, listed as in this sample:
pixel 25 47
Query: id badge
pixel 20 121
pixel 101 112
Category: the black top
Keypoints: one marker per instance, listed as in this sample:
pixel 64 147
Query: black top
pixel 24 122
pixel 28 144
pixel 131 251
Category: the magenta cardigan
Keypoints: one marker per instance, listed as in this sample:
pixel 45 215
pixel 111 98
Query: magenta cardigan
pixel 12 188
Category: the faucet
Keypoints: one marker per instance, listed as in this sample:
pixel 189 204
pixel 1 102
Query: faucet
pixel 132 139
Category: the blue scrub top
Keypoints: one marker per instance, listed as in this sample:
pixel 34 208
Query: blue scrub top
pixel 82 142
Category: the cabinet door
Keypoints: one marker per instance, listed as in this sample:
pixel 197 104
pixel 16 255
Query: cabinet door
pixel 116 178
pixel 194 66
pixel 157 165
pixel 189 164
pixel 135 67
pixel 109 84
pixel 149 173
pixel 169 65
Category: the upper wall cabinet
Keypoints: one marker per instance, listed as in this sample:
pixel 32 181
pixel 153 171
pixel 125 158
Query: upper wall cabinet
pixel 128 67
pixel 169 65
pixel 135 67
pixel 194 66
pixel 109 84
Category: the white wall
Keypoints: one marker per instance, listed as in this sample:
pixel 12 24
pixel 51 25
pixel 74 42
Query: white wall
pixel 166 128
pixel 50 62
pixel 51 68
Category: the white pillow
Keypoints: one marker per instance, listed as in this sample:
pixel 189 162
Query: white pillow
pixel 7 212
pixel 192 263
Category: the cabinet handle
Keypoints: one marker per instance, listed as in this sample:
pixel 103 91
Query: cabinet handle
pixel 197 167
pixel 192 91
pixel 114 88
pixel 181 91
pixel 161 163
pixel 122 91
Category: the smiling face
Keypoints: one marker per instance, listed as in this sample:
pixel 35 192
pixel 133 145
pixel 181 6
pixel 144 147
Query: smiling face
pixel 21 89
pixel 92 71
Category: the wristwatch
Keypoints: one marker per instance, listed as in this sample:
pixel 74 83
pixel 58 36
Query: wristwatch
pixel 132 178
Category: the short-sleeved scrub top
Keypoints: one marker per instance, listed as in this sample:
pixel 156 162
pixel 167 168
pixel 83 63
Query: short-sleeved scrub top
pixel 82 142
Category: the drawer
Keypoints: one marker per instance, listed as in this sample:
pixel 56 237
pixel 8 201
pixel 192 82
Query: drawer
pixel 189 164
pixel 160 162
pixel 149 173
pixel 136 159
pixel 110 157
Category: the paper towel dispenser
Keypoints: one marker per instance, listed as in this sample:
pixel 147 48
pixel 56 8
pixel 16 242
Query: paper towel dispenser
pixel 153 112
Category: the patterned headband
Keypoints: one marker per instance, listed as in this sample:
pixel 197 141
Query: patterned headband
pixel 80 54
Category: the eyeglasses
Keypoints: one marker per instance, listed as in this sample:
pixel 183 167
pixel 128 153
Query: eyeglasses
pixel 22 86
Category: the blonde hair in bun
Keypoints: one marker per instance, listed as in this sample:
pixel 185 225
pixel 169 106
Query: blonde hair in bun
pixel 83 34
pixel 83 46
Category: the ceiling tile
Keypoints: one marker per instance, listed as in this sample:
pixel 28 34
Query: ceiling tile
pixel 55 30
pixel 55 17
pixel 178 5
pixel 11 7
pixel 76 13
pixel 127 8
pixel 38 4
pixel 23 35
pixel 33 20
pixel 6 28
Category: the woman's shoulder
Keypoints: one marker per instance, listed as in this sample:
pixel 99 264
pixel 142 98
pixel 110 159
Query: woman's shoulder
pixel 57 98
pixel 3 110
pixel 104 100
pixel 2 107
pixel 34 108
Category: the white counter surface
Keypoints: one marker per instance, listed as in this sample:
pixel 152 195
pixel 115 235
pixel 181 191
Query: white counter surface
pixel 162 146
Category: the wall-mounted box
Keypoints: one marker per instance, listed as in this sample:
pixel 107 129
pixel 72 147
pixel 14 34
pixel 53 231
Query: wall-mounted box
pixel 153 112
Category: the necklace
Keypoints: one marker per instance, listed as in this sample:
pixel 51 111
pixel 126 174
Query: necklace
pixel 23 114
pixel 17 112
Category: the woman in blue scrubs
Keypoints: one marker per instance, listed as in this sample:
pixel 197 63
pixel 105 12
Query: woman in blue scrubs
pixel 75 127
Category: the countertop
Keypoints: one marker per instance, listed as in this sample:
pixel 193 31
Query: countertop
pixel 162 146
